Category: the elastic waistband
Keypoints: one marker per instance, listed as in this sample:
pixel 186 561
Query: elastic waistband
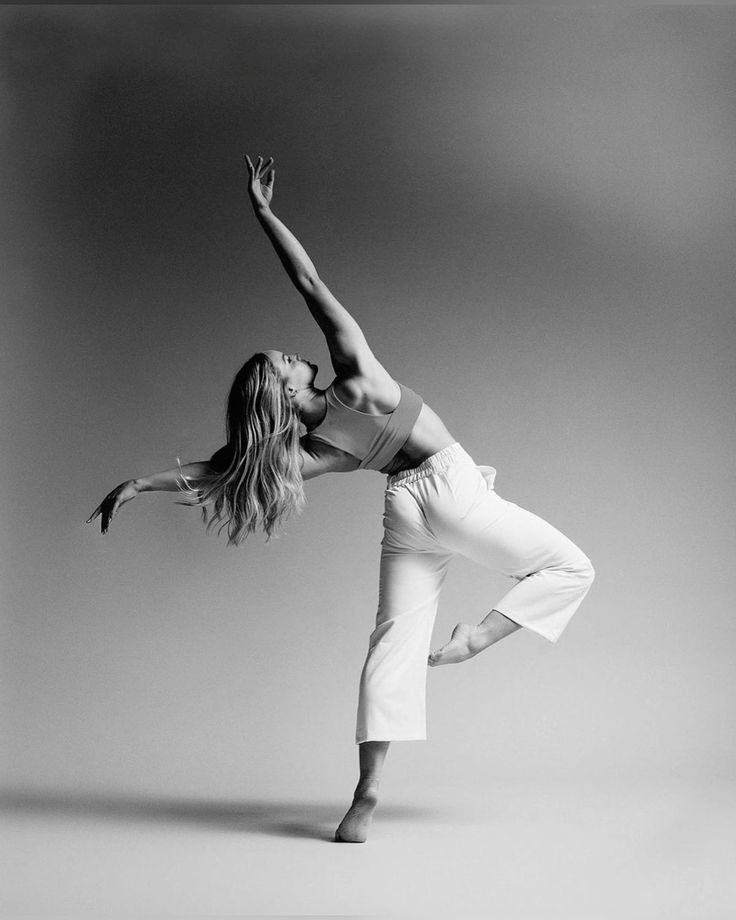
pixel 439 461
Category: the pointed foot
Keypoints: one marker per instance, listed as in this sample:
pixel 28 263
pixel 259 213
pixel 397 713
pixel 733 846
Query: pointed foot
pixel 354 826
pixel 463 644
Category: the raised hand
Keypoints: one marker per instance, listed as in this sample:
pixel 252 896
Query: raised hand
pixel 260 186
pixel 111 503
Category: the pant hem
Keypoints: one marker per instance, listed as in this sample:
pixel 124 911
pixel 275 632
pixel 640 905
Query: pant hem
pixel 359 740
pixel 532 627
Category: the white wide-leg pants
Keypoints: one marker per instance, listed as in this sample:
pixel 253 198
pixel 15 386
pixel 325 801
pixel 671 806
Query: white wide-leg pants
pixel 447 506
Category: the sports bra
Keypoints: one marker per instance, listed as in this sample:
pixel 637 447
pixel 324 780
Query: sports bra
pixel 374 440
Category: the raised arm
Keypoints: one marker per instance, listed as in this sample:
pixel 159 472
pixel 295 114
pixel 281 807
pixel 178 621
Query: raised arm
pixel 348 347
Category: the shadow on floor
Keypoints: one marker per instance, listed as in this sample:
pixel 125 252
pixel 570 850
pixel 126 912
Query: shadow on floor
pixel 317 820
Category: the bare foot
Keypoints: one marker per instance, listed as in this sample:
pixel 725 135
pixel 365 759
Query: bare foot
pixel 466 641
pixel 354 826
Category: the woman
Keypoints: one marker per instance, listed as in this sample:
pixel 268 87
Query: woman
pixel 438 503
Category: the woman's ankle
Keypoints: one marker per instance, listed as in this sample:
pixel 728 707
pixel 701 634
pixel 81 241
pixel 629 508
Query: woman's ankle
pixel 367 787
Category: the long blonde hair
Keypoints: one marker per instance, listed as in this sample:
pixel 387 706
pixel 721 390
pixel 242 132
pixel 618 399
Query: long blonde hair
pixel 261 485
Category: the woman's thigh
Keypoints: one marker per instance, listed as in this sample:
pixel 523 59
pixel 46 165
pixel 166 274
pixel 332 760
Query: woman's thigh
pixel 468 517
pixel 410 586
pixel 519 543
pixel 413 566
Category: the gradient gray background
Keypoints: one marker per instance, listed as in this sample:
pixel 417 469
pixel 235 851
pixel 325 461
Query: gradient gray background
pixel 531 213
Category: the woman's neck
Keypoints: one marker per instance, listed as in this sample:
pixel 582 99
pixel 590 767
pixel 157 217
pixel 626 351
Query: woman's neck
pixel 311 404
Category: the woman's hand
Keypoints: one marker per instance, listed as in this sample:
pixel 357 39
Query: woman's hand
pixel 260 186
pixel 110 504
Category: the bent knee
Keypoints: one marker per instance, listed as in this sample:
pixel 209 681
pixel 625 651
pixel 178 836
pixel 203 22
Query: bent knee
pixel 585 571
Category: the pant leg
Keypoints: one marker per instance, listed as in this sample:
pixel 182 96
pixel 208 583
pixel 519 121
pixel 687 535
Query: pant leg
pixel 553 575
pixel 391 705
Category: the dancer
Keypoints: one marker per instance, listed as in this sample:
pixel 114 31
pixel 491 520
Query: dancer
pixel 438 504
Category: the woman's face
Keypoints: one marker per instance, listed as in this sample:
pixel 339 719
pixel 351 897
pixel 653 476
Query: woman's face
pixel 292 368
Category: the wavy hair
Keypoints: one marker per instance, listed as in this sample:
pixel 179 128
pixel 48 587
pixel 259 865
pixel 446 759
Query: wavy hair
pixel 261 484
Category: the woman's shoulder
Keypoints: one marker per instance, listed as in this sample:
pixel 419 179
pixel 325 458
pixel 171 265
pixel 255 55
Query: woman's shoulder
pixel 376 394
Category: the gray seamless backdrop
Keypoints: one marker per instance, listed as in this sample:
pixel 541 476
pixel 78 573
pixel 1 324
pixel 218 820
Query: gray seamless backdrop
pixel 531 213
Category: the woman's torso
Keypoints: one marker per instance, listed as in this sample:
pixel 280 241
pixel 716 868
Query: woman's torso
pixel 380 396
pixel 428 436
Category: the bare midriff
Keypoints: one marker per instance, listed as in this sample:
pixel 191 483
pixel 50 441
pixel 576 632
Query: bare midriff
pixel 428 436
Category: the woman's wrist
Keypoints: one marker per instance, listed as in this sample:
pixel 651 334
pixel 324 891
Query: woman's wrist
pixel 172 480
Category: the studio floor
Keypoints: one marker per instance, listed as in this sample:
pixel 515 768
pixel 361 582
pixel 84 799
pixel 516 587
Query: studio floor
pixel 593 850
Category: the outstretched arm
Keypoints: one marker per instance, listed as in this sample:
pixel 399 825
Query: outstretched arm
pixel 348 347
pixel 166 481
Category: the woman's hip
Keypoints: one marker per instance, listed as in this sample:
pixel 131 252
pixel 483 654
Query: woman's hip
pixel 447 490
pixel 450 506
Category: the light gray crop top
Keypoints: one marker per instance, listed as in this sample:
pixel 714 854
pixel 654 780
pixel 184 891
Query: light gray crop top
pixel 374 440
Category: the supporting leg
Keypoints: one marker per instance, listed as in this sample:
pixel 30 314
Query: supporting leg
pixel 467 641
pixel 354 826
pixel 392 698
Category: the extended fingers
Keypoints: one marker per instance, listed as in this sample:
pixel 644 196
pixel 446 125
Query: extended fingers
pixel 260 169
pixel 263 168
pixel 106 509
pixel 108 515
